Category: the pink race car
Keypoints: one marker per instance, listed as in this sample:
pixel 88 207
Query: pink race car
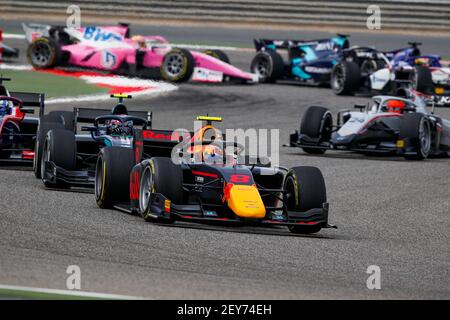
pixel 111 48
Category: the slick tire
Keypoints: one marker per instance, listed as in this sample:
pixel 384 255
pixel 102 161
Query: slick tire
pixel 160 175
pixel 41 134
pixel 44 53
pixel 59 147
pixel 67 118
pixel 317 122
pixel 218 54
pixel 345 78
pixel 177 66
pixel 422 79
pixel 306 190
pixel 416 129
pixel 268 65
pixel 112 176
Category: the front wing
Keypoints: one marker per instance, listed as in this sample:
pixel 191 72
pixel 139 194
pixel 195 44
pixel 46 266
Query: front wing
pixel 162 208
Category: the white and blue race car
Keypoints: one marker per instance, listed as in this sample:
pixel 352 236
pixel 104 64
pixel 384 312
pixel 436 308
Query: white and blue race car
pixel 398 125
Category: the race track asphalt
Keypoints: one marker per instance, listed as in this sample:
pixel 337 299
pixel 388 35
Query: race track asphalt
pixel 390 212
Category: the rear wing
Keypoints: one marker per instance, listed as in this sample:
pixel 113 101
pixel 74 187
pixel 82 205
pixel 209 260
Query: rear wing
pixel 158 143
pixel 30 99
pixel 33 31
pixel 88 115
pixel 286 44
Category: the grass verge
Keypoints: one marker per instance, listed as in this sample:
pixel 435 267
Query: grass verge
pixel 53 86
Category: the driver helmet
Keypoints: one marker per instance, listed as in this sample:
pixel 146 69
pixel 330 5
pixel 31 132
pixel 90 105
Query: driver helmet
pixel 115 127
pixel 212 154
pixel 395 106
pixel 4 107
pixel 140 40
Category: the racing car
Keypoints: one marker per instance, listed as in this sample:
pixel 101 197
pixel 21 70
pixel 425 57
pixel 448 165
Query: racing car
pixel 113 49
pixel 67 158
pixel 397 125
pixel 309 61
pixel 209 184
pixel 365 69
pixel 17 129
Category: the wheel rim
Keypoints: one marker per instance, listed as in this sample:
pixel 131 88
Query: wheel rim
pixel 174 64
pixel 368 67
pixel 99 178
pixel 40 54
pixel 145 191
pixel 45 157
pixel 338 78
pixel 262 67
pixel 424 137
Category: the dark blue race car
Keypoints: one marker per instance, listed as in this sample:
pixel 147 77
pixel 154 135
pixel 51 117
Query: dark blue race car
pixel 308 61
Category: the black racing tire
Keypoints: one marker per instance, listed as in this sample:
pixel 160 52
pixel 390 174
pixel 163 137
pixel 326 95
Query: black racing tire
pixel 416 129
pixel 178 65
pixel 422 79
pixel 43 128
pixel 317 122
pixel 268 65
pixel 44 53
pixel 369 66
pixel 306 190
pixel 218 54
pixel 112 176
pixel 345 78
pixel 163 176
pixel 67 118
pixel 61 148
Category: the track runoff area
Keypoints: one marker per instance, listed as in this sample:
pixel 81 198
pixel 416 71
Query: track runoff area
pixel 391 213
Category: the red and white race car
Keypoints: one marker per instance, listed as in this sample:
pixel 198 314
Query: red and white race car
pixel 112 48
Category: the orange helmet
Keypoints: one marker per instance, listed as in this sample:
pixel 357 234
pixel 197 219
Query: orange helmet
pixel 395 106
pixel 212 154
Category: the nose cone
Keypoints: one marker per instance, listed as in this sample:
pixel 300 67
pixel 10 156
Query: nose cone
pixel 246 202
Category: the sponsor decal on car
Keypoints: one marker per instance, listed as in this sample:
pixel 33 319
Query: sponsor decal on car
pixel 100 34
pixel 317 70
pixel 108 59
pixel 207 75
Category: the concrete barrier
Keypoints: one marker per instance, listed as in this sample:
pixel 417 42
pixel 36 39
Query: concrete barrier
pixel 417 15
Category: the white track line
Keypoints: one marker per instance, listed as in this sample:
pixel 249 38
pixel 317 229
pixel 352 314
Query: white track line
pixel 101 97
pixel 153 87
pixel 20 67
pixel 73 293
pixel 13 36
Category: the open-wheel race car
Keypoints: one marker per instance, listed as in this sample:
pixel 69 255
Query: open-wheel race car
pixel 397 125
pixel 308 61
pixel 209 183
pixel 113 49
pixel 67 158
pixel 17 128
pixel 368 70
